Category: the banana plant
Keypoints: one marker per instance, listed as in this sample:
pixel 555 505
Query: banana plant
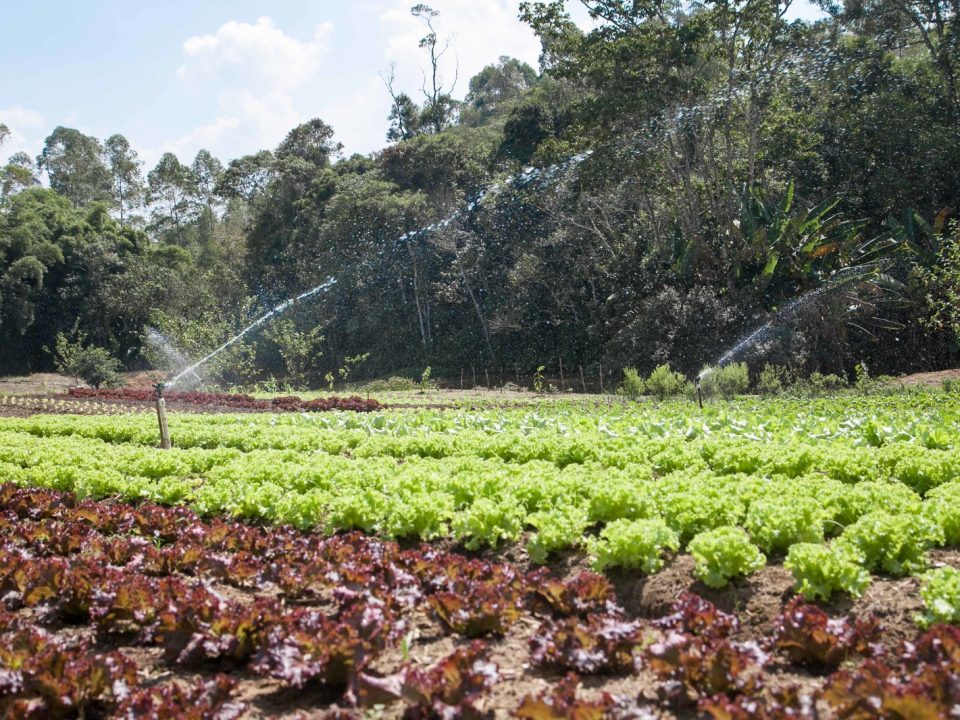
pixel 785 249
pixel 920 238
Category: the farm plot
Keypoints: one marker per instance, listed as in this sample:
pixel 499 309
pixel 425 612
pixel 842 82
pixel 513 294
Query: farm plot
pixel 114 610
pixel 853 503
pixel 868 486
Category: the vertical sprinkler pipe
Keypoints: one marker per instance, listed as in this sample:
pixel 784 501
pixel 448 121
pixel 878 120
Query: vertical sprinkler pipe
pixel 162 418
pixel 699 395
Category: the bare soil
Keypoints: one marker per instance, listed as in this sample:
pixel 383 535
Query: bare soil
pixel 932 379
pixel 36 384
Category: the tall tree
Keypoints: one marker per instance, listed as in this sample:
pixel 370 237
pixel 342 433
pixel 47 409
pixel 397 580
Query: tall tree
pixel 934 24
pixel 74 162
pixel 207 174
pixel 439 108
pixel 127 178
pixel 56 261
pixel 172 196
pixel 311 142
pixel 494 88
pixel 18 174
pixel 247 177
pixel 404 118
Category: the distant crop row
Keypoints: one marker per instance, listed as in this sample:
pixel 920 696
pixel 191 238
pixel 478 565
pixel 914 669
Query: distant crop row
pixel 929 420
pixel 287 403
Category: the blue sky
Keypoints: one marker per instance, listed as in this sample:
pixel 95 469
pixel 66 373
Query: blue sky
pixel 233 76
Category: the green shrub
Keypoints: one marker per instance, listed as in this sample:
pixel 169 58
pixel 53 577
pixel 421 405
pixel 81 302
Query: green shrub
pixel 633 385
pixel 724 553
pixel 940 590
pixel 300 350
pixel 951 385
pixel 773 379
pixel 637 544
pixel 664 383
pixel 727 381
pixel 391 384
pixel 94 365
pixel 819 571
pixel 819 384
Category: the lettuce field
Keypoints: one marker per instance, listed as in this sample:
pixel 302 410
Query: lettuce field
pixel 761 558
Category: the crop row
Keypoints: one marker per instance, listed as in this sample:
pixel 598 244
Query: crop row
pixel 929 420
pixel 917 466
pixel 287 403
pixel 333 609
pixel 634 517
pixel 57 404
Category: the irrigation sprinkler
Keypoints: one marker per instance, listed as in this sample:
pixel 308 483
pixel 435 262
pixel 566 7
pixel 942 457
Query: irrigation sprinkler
pixel 162 417
pixel 699 394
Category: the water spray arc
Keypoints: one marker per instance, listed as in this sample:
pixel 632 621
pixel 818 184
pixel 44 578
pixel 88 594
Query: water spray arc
pixel 528 176
pixel 282 307
pixel 840 279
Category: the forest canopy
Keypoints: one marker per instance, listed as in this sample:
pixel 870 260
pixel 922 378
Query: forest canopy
pixel 665 183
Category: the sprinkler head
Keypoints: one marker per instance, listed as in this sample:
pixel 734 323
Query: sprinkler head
pixel 159 388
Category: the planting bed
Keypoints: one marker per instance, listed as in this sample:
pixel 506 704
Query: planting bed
pixel 116 610
pixel 443 562
pixel 288 403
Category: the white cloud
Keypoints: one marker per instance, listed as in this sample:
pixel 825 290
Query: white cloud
pixel 359 118
pixel 27 131
pixel 254 55
pixel 205 136
pixel 251 83
pixel 253 72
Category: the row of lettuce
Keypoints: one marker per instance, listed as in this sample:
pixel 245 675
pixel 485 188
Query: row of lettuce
pixel 108 607
pixel 917 418
pixel 834 512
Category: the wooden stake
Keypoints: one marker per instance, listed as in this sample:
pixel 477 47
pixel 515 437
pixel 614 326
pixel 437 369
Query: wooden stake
pixel 563 385
pixel 486 372
pixel 583 383
pixel 461 378
pixel 162 418
pixel 601 378
pixel 473 371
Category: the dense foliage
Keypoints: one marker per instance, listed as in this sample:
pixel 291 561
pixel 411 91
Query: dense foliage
pixel 738 160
